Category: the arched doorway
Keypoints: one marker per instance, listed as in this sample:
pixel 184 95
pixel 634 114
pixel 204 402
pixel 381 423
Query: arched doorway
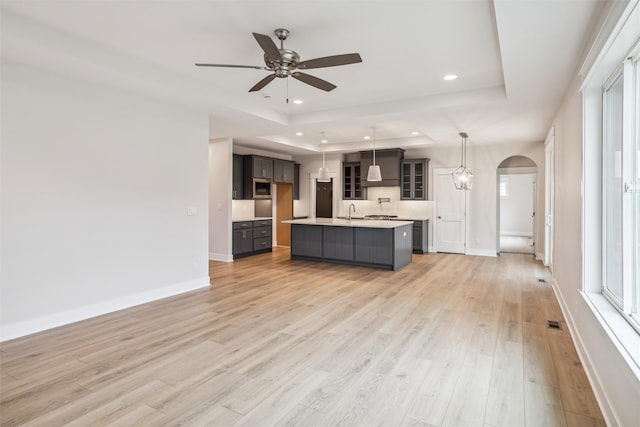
pixel 516 198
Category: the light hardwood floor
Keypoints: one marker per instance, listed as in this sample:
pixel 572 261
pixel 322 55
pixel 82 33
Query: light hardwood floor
pixel 448 340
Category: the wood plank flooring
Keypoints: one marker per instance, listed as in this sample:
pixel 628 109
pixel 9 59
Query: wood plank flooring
pixel 449 340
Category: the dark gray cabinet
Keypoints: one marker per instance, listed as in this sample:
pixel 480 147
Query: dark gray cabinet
pixel 238 179
pixel 306 241
pixel 388 248
pixel 389 162
pixel 421 237
pixel 414 181
pixel 251 237
pixel 374 245
pixel 242 238
pixel 258 167
pixel 296 181
pixel 337 243
pixel 352 181
pixel 283 171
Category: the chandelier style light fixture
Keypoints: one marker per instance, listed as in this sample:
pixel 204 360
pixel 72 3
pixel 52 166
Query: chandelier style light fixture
pixel 374 170
pixel 462 177
pixel 323 172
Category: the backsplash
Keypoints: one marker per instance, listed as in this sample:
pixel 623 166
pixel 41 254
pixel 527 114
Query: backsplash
pixel 395 206
pixel 242 209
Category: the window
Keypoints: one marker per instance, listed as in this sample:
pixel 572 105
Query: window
pixel 504 187
pixel 620 185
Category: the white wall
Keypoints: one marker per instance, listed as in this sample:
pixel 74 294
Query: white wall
pixel 517 208
pixel 95 190
pixel 220 193
pixel 483 161
pixel 614 382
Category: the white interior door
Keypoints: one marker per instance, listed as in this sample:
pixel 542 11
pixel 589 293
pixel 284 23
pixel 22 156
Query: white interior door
pixel 450 213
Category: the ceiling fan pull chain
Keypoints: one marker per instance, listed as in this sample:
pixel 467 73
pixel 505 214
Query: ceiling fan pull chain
pixel 287 91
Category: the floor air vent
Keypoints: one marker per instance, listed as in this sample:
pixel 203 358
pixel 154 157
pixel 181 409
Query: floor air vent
pixel 553 324
pixel 542 280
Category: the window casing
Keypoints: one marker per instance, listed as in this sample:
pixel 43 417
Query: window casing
pixel 620 196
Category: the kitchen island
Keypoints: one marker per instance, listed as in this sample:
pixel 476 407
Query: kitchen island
pixel 370 243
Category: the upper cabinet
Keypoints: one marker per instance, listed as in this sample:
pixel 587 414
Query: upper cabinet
pixel 283 171
pixel 389 162
pixel 352 183
pixel 261 167
pixel 414 179
pixel 296 181
pixel 238 180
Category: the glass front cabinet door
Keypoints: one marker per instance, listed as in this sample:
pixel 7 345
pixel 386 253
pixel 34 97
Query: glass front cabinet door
pixel 414 179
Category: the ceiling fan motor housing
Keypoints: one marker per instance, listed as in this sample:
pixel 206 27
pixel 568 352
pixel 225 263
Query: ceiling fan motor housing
pixel 286 65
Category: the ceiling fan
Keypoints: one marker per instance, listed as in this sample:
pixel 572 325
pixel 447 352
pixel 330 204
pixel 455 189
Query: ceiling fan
pixel 284 63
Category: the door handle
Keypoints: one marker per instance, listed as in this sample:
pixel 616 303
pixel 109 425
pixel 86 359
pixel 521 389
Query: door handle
pixel 439 217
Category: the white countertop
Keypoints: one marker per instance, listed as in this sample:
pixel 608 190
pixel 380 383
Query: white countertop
pixel 398 218
pixel 367 223
pixel 253 218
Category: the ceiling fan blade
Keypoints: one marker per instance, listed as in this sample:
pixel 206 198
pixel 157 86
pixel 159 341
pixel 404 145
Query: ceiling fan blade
pixel 330 61
pixel 314 81
pixel 269 47
pixel 232 66
pixel 262 83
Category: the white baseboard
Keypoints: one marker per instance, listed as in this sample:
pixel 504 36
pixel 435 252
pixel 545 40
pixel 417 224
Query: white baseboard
pixel 517 233
pixel 481 252
pixel 583 355
pixel 39 324
pixel 539 256
pixel 220 257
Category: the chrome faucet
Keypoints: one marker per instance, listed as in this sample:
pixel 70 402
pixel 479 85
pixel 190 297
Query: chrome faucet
pixel 354 209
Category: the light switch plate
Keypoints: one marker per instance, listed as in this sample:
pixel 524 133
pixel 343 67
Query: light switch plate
pixel 192 211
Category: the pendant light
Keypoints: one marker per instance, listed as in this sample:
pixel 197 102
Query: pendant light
pixel 323 172
pixel 462 177
pixel 374 170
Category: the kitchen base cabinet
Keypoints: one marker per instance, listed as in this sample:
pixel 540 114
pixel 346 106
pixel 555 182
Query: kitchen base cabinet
pixel 337 244
pixel 251 237
pixel 421 237
pixel 374 246
pixel 306 241
pixel 262 240
pixel 379 247
pixel 242 238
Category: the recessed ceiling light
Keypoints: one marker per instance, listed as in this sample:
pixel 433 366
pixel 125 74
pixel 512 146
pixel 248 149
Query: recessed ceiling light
pixel 299 134
pixel 298 101
pixel 449 77
pixel 266 96
pixel 414 133
pixel 324 141
pixel 367 137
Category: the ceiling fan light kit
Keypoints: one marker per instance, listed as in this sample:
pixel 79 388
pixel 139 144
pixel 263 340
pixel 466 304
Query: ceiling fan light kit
pixel 285 63
pixel 462 177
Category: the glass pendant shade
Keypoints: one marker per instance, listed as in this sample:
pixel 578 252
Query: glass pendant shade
pixel 323 172
pixel 374 173
pixel 374 170
pixel 462 177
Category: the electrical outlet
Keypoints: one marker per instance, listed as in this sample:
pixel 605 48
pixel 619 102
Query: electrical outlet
pixel 192 211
